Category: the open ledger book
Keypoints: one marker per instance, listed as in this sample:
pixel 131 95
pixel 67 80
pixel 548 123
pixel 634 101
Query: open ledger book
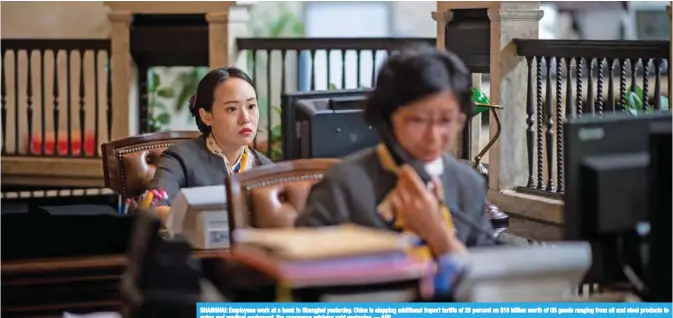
pixel 329 256
pixel 322 243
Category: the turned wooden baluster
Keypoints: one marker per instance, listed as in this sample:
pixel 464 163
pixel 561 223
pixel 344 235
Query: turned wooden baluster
pixel 56 110
pixel 549 140
pixel 538 118
pixel 530 121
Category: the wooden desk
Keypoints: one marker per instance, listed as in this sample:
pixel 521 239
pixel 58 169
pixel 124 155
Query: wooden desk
pixel 47 287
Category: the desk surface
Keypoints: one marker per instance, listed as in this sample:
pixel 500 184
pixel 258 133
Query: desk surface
pixel 84 262
pixel 47 287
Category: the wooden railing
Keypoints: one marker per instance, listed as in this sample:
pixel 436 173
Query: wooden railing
pixel 56 111
pixel 55 97
pixel 583 78
pixel 280 65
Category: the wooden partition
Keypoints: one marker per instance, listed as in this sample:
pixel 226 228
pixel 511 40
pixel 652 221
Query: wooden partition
pixel 61 105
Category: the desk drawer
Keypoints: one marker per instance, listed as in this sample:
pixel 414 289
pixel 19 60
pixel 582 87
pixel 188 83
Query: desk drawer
pixel 48 291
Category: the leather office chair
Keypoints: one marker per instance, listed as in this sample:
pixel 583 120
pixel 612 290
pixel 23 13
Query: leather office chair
pixel 272 196
pixel 129 164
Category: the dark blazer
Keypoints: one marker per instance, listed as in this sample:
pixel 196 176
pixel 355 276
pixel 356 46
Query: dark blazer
pixel 351 191
pixel 190 164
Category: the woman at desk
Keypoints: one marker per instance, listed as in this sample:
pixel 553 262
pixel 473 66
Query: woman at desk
pixel 423 99
pixel 226 113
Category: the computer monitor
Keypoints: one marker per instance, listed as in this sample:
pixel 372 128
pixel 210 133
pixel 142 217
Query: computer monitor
pixel 606 162
pixel 291 129
pixel 660 211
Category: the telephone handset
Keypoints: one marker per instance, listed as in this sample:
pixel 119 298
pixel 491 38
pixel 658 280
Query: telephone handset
pixel 399 155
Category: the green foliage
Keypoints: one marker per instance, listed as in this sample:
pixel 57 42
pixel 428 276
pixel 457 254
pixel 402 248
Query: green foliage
pixel 275 138
pixel 166 92
pixel 188 82
pixel 635 102
pixel 159 117
pixel 287 22
pixel 284 24
pixel 179 93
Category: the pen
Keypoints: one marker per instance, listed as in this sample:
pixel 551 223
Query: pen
pixel 147 200
pixel 126 206
pixel 157 195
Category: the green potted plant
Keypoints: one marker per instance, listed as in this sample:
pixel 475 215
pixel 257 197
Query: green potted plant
pixel 635 105
pixel 159 94
pixel 159 117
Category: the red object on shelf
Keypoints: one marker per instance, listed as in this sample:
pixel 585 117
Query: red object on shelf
pixel 76 144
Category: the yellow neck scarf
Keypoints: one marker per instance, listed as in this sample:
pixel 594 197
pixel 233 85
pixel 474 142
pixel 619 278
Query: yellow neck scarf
pixel 421 249
pixel 243 162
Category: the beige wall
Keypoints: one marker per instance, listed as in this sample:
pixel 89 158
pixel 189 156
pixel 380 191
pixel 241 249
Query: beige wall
pixel 57 19
pixel 413 19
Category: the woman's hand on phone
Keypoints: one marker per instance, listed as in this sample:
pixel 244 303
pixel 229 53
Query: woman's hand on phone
pixel 421 211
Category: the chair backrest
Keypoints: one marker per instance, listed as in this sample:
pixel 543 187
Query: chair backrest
pixel 129 164
pixel 273 195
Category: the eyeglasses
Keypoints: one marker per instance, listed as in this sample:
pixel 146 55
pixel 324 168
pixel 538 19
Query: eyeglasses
pixel 419 124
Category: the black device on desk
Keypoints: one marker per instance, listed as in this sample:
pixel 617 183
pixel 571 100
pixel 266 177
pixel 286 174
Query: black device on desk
pixel 659 199
pixel 332 127
pixel 291 126
pixel 606 166
pixel 162 277
pixel 56 233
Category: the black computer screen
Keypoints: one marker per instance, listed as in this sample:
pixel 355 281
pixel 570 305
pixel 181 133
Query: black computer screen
pixel 289 126
pixel 606 161
pixel 616 136
pixel 660 211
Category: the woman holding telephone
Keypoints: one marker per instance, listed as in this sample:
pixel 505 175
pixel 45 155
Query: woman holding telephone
pixel 408 183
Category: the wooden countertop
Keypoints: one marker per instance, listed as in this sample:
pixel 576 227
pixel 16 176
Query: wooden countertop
pixel 83 262
pixel 47 287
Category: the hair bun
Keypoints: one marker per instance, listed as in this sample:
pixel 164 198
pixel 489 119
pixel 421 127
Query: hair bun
pixel 192 105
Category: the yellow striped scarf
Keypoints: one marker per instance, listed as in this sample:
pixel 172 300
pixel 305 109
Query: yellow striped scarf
pixel 243 163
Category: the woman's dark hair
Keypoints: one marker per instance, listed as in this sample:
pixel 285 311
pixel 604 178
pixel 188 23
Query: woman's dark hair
pixel 205 92
pixel 414 74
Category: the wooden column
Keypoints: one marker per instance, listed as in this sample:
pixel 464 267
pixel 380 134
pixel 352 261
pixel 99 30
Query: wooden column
pixel 121 72
pixel 218 38
pixel 443 17
pixel 121 15
pixel 507 159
